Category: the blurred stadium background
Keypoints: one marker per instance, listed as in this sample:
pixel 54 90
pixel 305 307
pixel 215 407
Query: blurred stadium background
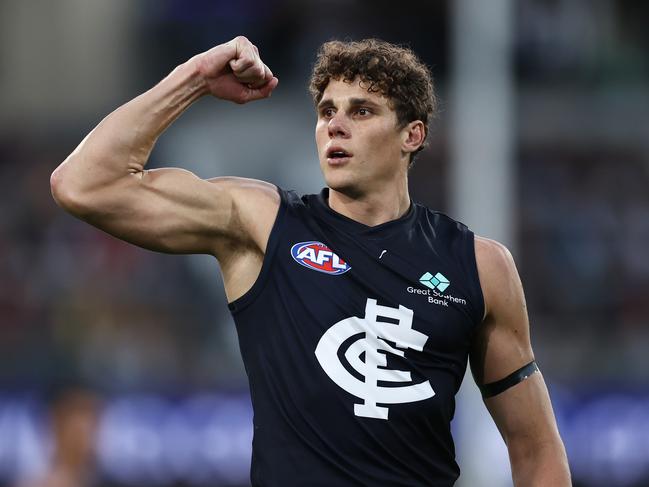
pixel 122 365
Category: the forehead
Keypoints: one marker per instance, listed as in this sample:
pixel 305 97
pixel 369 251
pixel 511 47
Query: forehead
pixel 339 91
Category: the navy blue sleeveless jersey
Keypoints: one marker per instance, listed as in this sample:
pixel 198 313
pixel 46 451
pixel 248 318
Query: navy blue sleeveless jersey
pixel 355 340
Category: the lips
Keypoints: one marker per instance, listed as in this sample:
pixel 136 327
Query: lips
pixel 337 155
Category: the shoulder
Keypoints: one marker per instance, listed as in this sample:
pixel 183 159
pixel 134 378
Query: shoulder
pixel 249 194
pixel 439 218
pixel 498 275
pixel 444 228
pixel 491 255
pixel 253 207
pixel 245 188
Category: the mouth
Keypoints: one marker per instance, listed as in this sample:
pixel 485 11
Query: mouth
pixel 338 155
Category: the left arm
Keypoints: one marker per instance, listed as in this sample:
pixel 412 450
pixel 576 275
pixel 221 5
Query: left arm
pixel 523 413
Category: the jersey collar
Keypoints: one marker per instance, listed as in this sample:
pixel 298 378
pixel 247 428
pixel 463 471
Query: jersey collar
pixel 320 203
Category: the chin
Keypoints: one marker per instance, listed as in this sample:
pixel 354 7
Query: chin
pixel 343 182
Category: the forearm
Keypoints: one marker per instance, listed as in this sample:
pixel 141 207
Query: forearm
pixel 540 466
pixel 122 142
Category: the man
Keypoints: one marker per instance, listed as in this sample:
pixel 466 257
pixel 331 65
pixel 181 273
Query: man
pixel 356 309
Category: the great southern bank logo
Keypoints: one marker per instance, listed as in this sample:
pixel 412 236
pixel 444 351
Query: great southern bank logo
pixel 318 257
pixel 438 281
pixel 435 294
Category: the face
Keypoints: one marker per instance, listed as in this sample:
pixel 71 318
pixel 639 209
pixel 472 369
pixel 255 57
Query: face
pixel 360 145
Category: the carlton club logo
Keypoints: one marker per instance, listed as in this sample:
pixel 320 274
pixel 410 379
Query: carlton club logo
pixel 367 356
pixel 318 257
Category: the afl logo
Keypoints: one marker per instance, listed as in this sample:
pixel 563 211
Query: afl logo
pixel 319 257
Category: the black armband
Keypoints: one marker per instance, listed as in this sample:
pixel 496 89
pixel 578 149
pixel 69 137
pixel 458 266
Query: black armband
pixel 493 388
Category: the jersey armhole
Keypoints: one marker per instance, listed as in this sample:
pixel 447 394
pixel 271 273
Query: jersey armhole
pixel 273 239
pixel 473 266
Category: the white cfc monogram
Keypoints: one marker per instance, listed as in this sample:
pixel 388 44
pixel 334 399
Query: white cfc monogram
pixel 375 346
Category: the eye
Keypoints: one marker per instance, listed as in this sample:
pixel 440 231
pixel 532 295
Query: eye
pixel 363 111
pixel 328 112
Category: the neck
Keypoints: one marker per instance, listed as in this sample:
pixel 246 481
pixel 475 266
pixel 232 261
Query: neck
pixel 374 208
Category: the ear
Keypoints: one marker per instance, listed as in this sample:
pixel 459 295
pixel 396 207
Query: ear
pixel 413 135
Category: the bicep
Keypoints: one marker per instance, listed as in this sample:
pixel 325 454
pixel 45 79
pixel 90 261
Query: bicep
pixel 172 210
pixel 502 343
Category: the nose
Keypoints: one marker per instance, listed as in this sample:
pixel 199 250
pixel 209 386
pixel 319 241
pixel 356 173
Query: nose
pixel 338 126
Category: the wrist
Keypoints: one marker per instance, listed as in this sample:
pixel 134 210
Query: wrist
pixel 192 71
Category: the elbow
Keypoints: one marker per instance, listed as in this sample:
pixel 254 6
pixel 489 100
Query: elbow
pixel 543 463
pixel 65 194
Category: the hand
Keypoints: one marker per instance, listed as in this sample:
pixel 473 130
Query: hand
pixel 234 71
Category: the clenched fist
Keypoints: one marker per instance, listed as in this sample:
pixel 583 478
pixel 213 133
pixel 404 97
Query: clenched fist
pixel 234 71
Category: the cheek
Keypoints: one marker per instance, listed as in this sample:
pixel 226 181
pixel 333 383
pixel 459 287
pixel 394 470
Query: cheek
pixel 320 132
pixel 384 141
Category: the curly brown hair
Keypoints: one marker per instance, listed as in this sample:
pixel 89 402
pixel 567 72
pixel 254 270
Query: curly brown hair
pixel 391 70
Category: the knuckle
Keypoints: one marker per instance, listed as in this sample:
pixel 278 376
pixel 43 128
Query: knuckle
pixel 244 65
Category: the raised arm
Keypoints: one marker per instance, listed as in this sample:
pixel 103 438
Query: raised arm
pixel 522 412
pixel 104 181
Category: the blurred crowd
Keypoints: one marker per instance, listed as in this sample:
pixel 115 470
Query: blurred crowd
pixel 82 311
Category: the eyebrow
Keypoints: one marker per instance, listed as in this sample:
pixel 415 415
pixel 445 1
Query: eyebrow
pixel 325 103
pixel 362 101
pixel 328 102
